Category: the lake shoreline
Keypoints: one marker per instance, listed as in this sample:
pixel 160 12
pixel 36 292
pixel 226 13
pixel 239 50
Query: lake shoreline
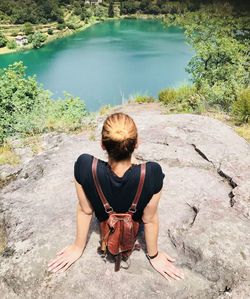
pixel 69 32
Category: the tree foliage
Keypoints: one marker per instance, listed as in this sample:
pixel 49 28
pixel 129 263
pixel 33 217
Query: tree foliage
pixel 220 66
pixel 38 39
pixel 3 40
pixel 33 11
pixel 26 108
pixel 111 12
pixel 28 28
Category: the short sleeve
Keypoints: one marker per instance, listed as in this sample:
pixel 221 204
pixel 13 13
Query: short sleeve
pixel 81 167
pixel 76 171
pixel 158 178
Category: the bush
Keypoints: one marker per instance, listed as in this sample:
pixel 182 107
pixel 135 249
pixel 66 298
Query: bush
pixel 241 107
pixel 15 33
pixel 167 96
pixel 66 114
pixel 221 95
pixel 28 28
pixel 71 26
pixel 100 12
pixel 143 99
pixel 61 26
pixel 38 39
pixel 26 108
pixel 3 40
pixel 182 99
pixel 11 44
pixel 50 31
pixel 86 13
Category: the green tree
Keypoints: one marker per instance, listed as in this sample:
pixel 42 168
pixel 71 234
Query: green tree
pixel 144 5
pixel 3 40
pixel 220 65
pixel 17 97
pixel 38 39
pixel 11 44
pixel 26 108
pixel 86 13
pixel 111 9
pixel 28 28
pixel 100 11
pixel 50 31
pixel 130 7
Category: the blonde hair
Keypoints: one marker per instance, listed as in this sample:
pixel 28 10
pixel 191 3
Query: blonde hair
pixel 119 136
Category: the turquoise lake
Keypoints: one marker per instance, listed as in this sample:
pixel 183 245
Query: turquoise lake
pixel 110 62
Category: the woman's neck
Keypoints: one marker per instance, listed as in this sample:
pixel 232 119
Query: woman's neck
pixel 119 167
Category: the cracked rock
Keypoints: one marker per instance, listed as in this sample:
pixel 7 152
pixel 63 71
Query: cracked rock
pixel 204 215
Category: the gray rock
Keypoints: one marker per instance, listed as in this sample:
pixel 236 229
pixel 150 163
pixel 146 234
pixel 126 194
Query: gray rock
pixel 204 215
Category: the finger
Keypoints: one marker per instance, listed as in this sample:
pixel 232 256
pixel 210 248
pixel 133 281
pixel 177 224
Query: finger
pixel 60 266
pixel 52 268
pixel 179 273
pixel 172 269
pixel 171 274
pixel 171 259
pixel 56 263
pixel 65 267
pixel 54 260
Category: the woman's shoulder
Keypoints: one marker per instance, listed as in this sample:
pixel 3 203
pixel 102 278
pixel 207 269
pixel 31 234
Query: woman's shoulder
pixel 155 175
pixel 84 161
pixel 153 166
pixel 82 167
pixel 84 158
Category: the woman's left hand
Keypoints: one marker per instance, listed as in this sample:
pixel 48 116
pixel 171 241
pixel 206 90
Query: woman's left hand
pixel 163 263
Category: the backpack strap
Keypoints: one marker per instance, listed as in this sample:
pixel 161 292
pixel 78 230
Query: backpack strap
pixel 132 209
pixel 107 207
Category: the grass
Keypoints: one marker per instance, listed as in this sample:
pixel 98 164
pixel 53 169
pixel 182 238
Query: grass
pixel 3 239
pixel 8 155
pixel 34 143
pixel 104 110
pixel 243 131
pixel 140 99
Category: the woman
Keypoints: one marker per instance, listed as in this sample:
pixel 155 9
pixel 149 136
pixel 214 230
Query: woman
pixel 119 179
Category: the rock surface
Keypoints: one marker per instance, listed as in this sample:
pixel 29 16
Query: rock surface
pixel 204 216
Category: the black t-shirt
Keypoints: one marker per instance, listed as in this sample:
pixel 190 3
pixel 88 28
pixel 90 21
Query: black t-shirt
pixel 119 191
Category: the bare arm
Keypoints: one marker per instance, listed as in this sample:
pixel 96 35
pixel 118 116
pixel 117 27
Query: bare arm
pixel 84 216
pixel 162 262
pixel 68 255
pixel 151 224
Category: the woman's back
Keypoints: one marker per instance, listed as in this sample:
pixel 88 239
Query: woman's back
pixel 119 191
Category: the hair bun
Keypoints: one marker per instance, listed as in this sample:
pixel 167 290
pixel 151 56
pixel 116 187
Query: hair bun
pixel 119 135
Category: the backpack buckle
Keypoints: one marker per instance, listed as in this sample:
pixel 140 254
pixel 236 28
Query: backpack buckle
pixel 108 208
pixel 132 209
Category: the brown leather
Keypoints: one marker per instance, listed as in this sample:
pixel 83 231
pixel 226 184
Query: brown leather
pixel 119 231
pixel 107 207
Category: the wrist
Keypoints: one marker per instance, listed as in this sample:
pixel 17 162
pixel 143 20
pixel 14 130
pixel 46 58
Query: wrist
pixel 79 247
pixel 151 257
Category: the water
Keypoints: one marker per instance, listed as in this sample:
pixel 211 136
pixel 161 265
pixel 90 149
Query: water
pixel 111 61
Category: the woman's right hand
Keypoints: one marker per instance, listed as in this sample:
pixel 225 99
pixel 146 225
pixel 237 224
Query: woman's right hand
pixel 65 258
pixel 163 263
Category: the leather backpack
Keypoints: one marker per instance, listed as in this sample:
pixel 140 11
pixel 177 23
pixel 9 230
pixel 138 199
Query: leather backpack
pixel 119 232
